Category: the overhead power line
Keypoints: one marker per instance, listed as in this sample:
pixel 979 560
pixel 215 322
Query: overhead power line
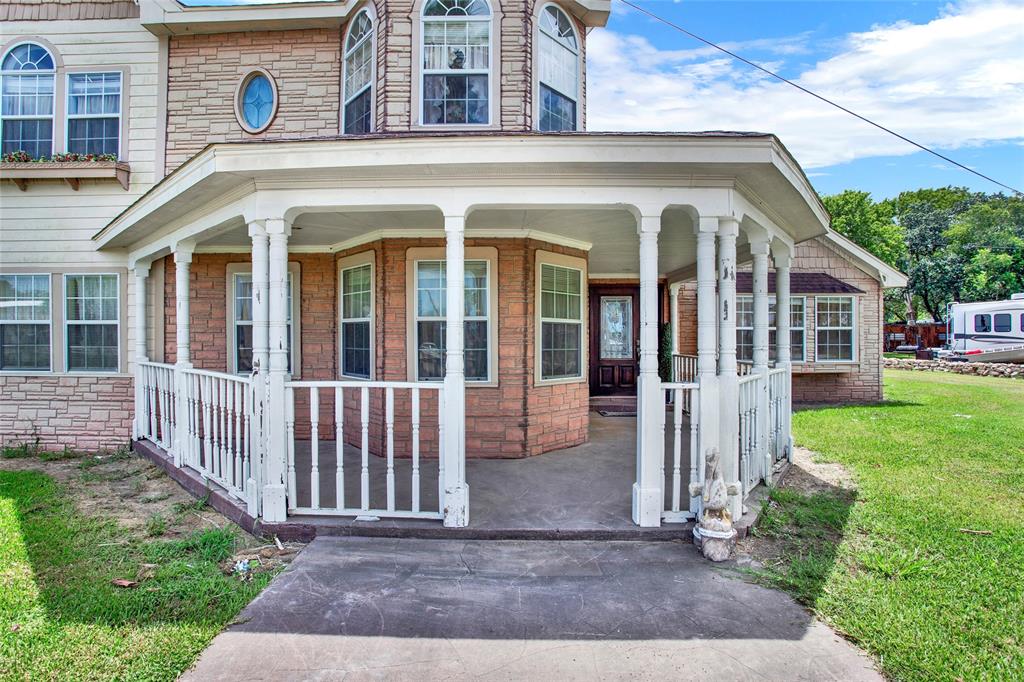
pixel 824 99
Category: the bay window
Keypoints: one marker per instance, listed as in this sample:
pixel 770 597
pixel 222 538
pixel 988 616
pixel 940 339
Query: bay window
pixel 456 62
pixel 430 325
pixel 558 71
pixel 745 328
pixel 561 322
pixel 240 328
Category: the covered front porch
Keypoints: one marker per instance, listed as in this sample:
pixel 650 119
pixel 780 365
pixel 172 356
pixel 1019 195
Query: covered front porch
pixel 274 437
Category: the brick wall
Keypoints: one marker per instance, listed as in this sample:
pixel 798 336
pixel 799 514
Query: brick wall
pixel 513 419
pixel 815 382
pixel 81 412
pixel 203 76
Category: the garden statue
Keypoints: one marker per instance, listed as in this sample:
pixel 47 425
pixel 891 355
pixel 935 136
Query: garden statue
pixel 714 533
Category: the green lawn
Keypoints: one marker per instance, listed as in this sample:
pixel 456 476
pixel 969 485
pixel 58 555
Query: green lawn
pixel 890 566
pixel 62 618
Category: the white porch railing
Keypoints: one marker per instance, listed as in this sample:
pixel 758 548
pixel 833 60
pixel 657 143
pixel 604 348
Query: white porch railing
pixel 750 386
pixel 155 403
pixel 684 368
pixel 684 431
pixel 355 397
pixel 218 429
pixel 779 408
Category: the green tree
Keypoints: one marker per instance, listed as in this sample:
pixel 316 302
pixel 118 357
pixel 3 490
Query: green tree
pixel 990 235
pixel 867 223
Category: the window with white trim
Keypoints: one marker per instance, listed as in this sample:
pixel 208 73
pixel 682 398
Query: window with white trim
pixel 456 62
pixel 357 321
pixel 357 100
pixel 94 113
pixel 27 75
pixel 92 322
pixel 431 306
pixel 558 71
pixel 745 328
pixel 25 323
pixel 834 328
pixel 241 322
pixel 561 320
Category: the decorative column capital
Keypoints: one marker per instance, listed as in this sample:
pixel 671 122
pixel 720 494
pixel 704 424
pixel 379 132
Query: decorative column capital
pixel 257 228
pixel 648 226
pixel 183 250
pixel 277 227
pixel 141 268
pixel 728 227
pixel 706 224
pixel 455 222
pixel 782 254
pixel 759 247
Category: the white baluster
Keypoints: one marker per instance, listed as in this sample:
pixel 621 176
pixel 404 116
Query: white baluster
pixel 236 409
pixel 339 448
pixel 151 400
pixel 289 420
pixel 415 449
pixel 389 426
pixel 364 479
pixel 314 447
pixel 694 430
pixel 229 442
pixel 204 392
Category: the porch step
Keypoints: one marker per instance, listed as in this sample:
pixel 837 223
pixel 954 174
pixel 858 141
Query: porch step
pixel 432 530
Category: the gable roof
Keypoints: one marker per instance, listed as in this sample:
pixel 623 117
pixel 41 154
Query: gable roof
pixel 890 277
pixel 799 283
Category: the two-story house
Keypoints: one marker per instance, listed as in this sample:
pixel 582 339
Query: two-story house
pixel 321 255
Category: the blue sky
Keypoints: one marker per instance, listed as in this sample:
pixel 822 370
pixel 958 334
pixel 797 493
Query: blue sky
pixel 950 75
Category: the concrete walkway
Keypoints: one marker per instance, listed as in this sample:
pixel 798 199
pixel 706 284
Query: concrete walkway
pixel 381 608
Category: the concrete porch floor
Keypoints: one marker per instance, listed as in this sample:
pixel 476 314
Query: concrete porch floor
pixel 583 492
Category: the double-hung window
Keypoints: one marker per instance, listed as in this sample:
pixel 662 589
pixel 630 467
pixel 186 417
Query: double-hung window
pixel 834 328
pixel 357 321
pixel 456 62
pixel 745 328
pixel 358 96
pixel 431 307
pixel 25 323
pixel 241 321
pixel 94 113
pixel 27 76
pixel 558 68
pixel 92 322
pixel 561 322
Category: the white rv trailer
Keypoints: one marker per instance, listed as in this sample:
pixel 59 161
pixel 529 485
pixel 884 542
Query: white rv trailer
pixel 989 331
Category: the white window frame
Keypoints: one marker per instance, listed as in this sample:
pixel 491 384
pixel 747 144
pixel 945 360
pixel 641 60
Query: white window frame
pixel 68 323
pixel 774 328
pixel 854 329
pixel 576 96
pixel 367 258
pixel 569 263
pixel 48 322
pixel 68 116
pixel 423 72
pixel 346 52
pixel 52 117
pixel 295 351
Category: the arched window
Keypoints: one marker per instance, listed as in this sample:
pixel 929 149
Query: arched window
pixel 26 103
pixel 456 62
pixel 358 96
pixel 558 71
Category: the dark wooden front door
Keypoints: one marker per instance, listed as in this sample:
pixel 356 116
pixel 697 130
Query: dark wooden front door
pixel 614 339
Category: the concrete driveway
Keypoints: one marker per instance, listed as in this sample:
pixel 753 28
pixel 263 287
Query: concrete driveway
pixel 380 608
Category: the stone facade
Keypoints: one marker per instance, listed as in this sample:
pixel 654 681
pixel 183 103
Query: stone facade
pixel 981 369
pixel 813 381
pixel 514 418
pixel 57 411
pixel 204 72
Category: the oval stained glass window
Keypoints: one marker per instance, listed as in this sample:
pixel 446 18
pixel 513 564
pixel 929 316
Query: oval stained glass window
pixel 257 102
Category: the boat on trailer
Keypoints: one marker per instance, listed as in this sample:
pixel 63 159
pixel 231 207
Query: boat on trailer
pixel 987 331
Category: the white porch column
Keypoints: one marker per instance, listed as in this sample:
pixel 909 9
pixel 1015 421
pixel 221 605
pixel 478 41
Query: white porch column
pixel 759 254
pixel 648 490
pixel 728 229
pixel 182 324
pixel 783 340
pixel 141 270
pixel 456 492
pixel 260 360
pixel 673 297
pixel 275 503
pixel 707 338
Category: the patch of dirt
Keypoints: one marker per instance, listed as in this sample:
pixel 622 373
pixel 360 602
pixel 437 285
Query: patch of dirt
pixel 808 476
pixel 142 499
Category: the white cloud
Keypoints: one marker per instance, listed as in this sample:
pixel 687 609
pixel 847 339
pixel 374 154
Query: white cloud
pixel 953 82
